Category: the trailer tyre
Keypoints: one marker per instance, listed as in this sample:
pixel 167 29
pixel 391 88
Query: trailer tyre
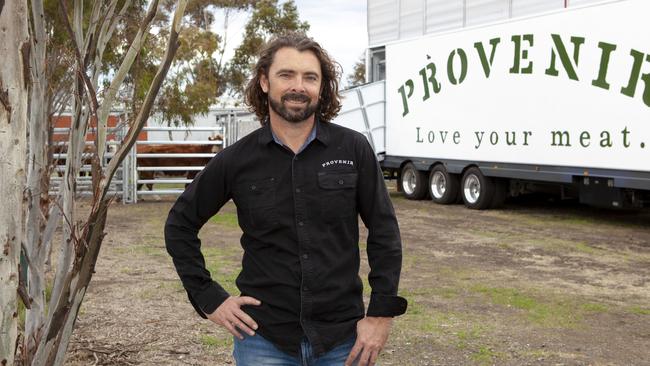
pixel 443 187
pixel 500 192
pixel 477 190
pixel 413 182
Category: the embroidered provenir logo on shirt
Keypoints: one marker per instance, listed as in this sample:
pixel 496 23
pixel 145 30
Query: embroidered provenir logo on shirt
pixel 338 162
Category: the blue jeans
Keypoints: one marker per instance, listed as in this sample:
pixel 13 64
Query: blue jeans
pixel 257 351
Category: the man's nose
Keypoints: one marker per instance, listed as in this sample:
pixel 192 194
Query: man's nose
pixel 298 85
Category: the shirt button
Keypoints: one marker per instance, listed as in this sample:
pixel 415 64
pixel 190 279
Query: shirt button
pixel 305 256
pixel 300 223
pixel 340 181
pixel 297 190
pixel 253 187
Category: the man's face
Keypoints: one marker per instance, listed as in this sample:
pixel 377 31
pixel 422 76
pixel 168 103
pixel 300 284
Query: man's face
pixel 293 84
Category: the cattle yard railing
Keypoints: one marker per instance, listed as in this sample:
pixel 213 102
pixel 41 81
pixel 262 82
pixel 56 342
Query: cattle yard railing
pixel 236 123
pixel 84 179
pixel 168 171
pixel 147 172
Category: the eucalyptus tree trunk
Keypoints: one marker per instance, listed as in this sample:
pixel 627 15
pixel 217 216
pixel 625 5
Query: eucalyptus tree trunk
pixel 38 175
pixel 83 241
pixel 14 83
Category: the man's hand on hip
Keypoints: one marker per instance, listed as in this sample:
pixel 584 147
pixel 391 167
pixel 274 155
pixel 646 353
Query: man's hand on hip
pixel 372 333
pixel 230 315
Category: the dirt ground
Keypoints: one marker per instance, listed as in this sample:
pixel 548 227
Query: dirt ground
pixel 534 283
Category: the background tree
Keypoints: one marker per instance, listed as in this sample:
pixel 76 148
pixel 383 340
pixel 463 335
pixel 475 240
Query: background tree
pixel 268 19
pixel 358 74
pixel 199 76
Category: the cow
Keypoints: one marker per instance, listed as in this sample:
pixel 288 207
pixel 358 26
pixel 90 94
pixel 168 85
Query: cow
pixel 59 162
pixel 173 161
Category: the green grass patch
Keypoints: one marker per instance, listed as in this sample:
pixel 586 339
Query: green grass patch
pixel 549 312
pixel 446 292
pixel 229 254
pixel 441 291
pixel 505 246
pixel 21 307
pixel 468 336
pixel 150 293
pixel 211 341
pixel 593 307
pixel 175 286
pixel 224 266
pixel 433 322
pixel 639 310
pixel 367 290
pixel 484 356
pixel 428 321
pixel 584 248
pixel 226 219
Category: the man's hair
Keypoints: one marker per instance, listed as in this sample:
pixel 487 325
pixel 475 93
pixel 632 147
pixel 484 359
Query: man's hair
pixel 329 103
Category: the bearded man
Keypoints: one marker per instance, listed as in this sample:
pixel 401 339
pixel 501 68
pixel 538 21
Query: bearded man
pixel 299 184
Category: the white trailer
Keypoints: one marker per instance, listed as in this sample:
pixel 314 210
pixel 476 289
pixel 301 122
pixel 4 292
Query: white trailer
pixel 555 100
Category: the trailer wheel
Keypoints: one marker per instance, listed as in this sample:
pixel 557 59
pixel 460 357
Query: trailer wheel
pixel 413 182
pixel 443 187
pixel 477 189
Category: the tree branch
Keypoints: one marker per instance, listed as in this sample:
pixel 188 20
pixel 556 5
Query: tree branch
pixel 143 115
pixel 81 66
pixel 121 74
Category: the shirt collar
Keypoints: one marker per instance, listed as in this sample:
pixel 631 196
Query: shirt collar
pixel 320 132
pixel 310 138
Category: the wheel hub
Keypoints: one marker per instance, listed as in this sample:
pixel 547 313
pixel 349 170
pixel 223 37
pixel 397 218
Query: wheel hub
pixel 438 185
pixel 408 182
pixel 472 189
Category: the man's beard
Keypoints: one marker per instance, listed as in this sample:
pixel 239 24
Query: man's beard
pixel 290 114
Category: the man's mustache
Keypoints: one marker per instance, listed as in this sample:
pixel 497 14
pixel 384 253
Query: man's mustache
pixel 296 97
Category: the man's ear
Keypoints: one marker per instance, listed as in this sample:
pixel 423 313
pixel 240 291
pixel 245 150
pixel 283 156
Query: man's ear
pixel 264 83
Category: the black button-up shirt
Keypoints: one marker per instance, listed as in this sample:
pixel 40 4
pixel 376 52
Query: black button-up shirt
pixel 298 214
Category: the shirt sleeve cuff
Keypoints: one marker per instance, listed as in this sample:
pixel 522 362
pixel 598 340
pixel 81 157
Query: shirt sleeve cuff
pixel 208 300
pixel 386 305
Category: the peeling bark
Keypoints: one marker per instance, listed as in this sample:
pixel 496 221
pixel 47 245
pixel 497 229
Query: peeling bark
pixel 38 178
pixel 13 122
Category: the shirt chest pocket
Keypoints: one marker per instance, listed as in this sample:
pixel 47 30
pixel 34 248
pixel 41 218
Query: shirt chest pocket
pixel 339 194
pixel 256 202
